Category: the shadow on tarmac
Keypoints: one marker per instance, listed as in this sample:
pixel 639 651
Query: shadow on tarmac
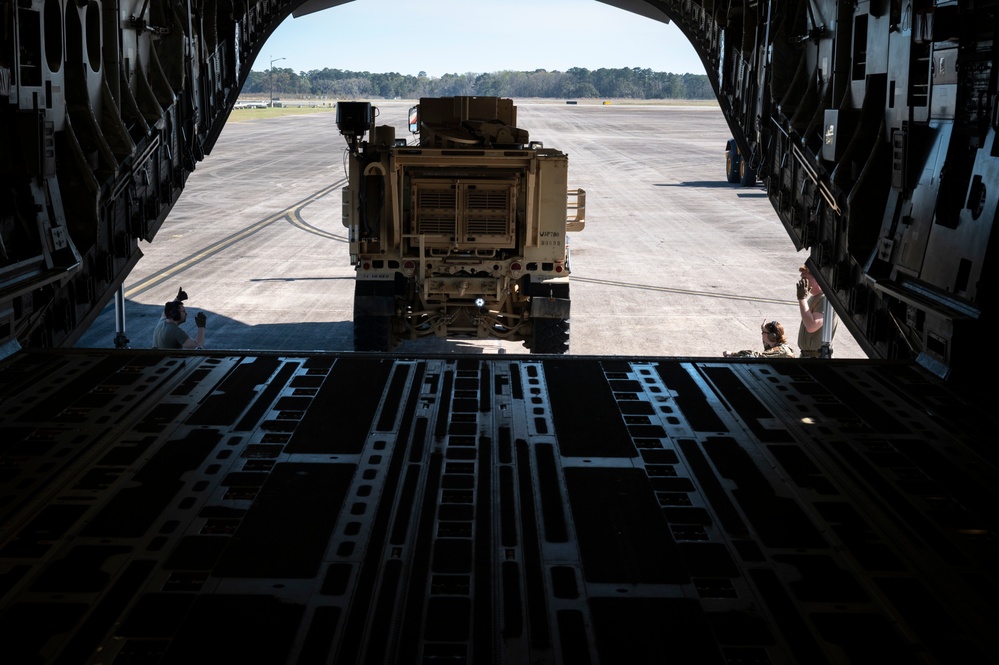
pixel 713 184
pixel 224 334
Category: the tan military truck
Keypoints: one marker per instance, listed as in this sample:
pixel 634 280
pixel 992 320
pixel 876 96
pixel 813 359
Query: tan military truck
pixel 461 233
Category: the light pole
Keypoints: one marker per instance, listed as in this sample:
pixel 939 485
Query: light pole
pixel 271 78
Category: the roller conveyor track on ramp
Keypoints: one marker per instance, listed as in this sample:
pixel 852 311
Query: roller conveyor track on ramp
pixel 310 508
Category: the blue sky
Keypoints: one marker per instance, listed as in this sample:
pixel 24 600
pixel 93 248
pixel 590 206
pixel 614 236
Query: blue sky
pixel 460 36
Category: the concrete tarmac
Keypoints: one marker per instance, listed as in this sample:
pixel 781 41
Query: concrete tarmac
pixel 674 261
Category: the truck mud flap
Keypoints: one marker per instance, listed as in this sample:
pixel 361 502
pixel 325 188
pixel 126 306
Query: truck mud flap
pixel 374 306
pixel 549 308
pixel 374 298
pixel 549 300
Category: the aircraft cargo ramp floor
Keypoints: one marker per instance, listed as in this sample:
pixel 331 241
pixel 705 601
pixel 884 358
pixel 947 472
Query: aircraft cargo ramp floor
pixel 279 508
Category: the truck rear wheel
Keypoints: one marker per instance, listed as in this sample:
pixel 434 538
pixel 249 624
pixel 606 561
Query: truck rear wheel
pixel 373 310
pixel 550 336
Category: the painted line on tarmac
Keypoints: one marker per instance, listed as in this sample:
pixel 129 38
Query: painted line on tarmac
pixel 686 292
pixel 175 269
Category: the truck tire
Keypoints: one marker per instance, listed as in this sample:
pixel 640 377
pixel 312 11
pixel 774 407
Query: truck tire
pixel 732 161
pixel 550 336
pixel 373 308
pixel 373 333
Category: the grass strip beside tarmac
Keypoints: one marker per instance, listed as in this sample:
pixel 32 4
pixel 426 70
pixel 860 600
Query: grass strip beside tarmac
pixel 243 115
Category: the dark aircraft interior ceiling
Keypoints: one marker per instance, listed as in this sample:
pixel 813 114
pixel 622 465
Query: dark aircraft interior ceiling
pixel 154 506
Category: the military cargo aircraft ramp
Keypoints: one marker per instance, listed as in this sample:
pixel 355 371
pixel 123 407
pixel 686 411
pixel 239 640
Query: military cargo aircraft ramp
pixel 352 508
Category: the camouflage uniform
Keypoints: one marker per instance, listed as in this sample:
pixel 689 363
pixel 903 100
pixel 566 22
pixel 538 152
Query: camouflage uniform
pixel 779 351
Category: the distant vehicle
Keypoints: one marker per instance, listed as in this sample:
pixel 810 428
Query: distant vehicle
pixel 251 104
pixel 737 170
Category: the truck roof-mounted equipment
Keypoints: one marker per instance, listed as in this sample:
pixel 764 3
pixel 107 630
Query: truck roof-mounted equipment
pixel 353 119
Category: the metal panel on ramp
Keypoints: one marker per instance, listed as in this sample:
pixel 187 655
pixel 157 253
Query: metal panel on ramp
pixel 347 508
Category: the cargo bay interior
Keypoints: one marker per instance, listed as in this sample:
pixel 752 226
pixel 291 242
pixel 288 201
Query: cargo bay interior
pixel 360 507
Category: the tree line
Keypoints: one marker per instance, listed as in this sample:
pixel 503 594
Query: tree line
pixel 626 83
